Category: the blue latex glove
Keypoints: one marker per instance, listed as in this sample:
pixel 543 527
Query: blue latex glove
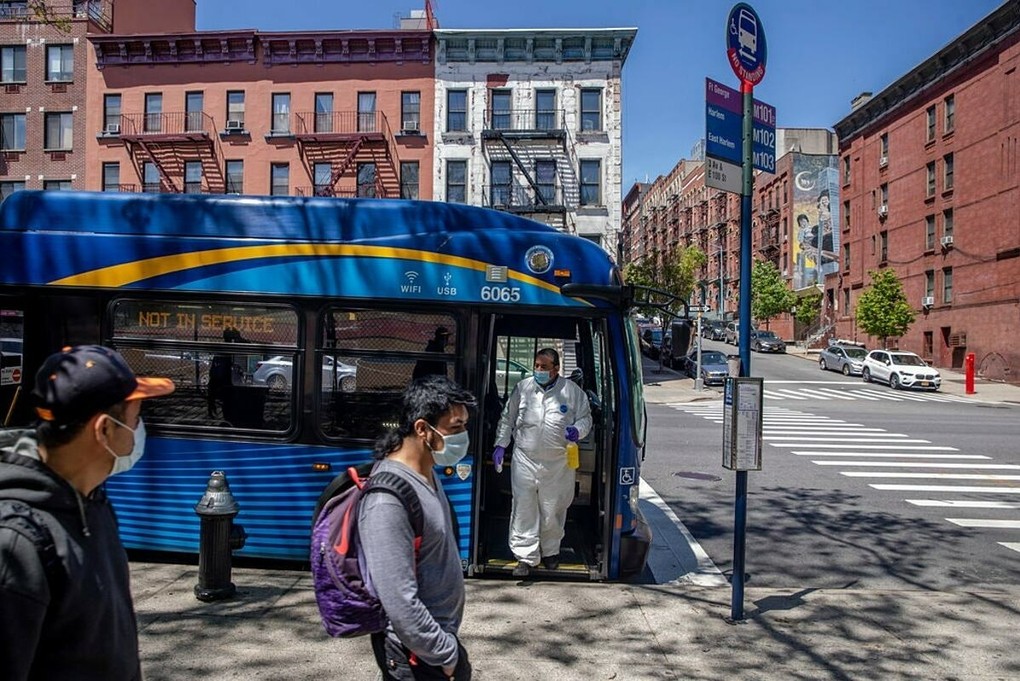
pixel 572 434
pixel 497 458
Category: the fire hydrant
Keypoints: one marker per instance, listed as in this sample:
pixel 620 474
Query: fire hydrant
pixel 219 536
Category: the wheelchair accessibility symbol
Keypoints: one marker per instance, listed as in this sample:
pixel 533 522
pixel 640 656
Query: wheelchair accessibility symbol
pixel 627 476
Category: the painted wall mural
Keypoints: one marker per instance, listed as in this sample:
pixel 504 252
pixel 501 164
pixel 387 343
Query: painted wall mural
pixel 815 219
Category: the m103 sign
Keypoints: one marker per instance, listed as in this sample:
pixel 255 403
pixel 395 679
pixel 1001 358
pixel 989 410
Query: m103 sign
pixel 724 127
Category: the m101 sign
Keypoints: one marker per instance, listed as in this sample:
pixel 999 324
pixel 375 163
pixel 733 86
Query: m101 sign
pixel 724 127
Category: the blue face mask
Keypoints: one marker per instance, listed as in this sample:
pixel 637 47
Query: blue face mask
pixel 541 377
pixel 454 449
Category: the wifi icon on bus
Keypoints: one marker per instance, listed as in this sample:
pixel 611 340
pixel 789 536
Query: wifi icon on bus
pixel 409 286
pixel 411 276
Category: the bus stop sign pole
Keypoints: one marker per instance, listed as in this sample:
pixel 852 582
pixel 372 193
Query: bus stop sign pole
pixel 747 53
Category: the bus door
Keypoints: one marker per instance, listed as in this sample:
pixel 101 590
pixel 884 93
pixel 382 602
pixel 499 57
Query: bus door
pixel 14 386
pixel 511 346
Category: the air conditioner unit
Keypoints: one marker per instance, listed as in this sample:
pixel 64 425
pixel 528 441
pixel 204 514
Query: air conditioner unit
pixel 883 210
pixel 927 301
pixel 410 126
pixel 112 128
pixel 947 241
pixel 883 161
pixel 235 125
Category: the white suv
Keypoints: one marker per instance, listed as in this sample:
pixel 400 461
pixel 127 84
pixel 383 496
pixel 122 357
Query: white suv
pixel 900 370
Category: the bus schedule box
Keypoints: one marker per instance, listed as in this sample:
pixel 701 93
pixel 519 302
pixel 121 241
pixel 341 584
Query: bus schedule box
pixel 742 423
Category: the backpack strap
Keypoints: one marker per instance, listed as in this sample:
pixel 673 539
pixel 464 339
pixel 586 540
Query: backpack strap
pixel 387 481
pixel 342 482
pixel 23 519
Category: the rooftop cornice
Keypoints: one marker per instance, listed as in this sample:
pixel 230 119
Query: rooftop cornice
pixel 983 37
pixel 530 45
pixel 201 47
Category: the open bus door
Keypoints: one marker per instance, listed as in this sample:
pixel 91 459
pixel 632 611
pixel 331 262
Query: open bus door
pixel 511 346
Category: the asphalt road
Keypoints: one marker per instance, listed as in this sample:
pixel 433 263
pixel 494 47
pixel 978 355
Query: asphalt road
pixel 861 486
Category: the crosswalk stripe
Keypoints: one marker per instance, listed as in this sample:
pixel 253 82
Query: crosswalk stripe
pixel 787 438
pixel 773 396
pixel 831 433
pixel 880 395
pixel 1015 546
pixel 892 455
pixel 957 489
pixel 929 476
pixel 815 394
pixel 953 503
pixel 824 445
pixel 994 523
pixel 827 394
pixel 850 395
pixel 918 464
pixel 791 394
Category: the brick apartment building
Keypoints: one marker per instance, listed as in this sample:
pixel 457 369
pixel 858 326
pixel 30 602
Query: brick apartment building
pixel 929 172
pixel 44 72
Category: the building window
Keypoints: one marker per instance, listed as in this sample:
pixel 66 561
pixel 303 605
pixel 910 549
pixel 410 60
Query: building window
pixel 150 178
pixel 927 344
pixel 545 178
pixel 947 285
pixel 12 132
pixel 279 179
pixel 410 112
pixel 883 149
pixel 193 108
pixel 947 222
pixel 409 179
pixel 281 114
pixel 947 178
pixel 456 110
pixel 930 190
pixel 111 114
pixel 929 233
pixel 57 185
pixel 323 112
pixel 846 216
pixel 950 113
pixel 59 135
pixel 591 109
pixel 846 170
pixel 545 110
pixel 846 256
pixel 60 63
pixel 929 283
pixel 500 101
pixel 591 182
pixel 192 177
pixel 8 188
pixel 456 181
pixel 235 177
pixel 366 180
pixel 111 177
pixel 366 112
pixel 322 179
pixel 883 248
pixel 930 128
pixel 235 110
pixel 153 112
pixel 12 64
pixel 846 301
pixel 502 182
pixel 884 193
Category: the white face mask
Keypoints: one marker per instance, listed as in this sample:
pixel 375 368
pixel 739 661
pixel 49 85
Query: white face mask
pixel 124 463
pixel 454 449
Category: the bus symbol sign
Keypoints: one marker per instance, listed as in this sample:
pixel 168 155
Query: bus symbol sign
pixel 746 49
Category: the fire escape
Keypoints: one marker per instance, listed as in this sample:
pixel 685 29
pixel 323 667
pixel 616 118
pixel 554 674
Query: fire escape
pixel 769 239
pixel 534 142
pixel 350 144
pixel 169 141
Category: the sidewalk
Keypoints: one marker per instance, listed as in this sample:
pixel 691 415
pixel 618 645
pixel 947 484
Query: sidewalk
pixel 553 630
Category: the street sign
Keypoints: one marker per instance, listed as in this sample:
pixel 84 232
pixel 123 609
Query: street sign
pixel 724 128
pixel 723 175
pixel 746 48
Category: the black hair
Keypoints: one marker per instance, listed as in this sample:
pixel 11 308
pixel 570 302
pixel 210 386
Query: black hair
pixel 804 216
pixel 428 397
pixel 52 434
pixel 551 354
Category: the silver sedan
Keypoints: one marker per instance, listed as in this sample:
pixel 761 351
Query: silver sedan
pixel 848 359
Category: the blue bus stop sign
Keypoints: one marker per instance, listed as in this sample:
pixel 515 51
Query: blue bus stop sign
pixel 745 44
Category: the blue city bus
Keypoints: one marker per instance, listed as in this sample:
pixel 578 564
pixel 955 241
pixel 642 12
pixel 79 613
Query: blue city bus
pixel 291 326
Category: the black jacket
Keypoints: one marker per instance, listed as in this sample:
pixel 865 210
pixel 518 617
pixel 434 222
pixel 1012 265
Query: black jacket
pixel 75 620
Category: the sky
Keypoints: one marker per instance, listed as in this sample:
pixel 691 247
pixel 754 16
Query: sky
pixel 821 53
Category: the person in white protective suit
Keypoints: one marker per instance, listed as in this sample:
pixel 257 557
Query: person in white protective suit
pixel 542 414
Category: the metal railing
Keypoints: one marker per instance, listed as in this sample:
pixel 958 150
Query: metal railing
pixel 178 123
pixel 505 196
pixel 521 120
pixel 341 123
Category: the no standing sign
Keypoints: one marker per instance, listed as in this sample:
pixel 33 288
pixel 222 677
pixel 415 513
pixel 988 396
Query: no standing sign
pixel 746 49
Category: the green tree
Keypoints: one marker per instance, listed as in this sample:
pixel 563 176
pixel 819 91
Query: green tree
pixel 770 295
pixel 882 309
pixel 809 306
pixel 677 274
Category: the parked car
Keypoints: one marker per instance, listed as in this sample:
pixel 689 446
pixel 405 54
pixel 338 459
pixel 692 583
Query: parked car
pixel 732 333
pixel 848 359
pixel 900 370
pixel 713 329
pixel 766 341
pixel 651 340
pixel 714 367
pixel 182 368
pixel 277 374
pixel 511 375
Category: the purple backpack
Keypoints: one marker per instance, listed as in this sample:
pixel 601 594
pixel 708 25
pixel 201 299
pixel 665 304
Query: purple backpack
pixel 347 600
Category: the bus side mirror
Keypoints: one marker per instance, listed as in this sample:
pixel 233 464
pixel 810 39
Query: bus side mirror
pixel 681 337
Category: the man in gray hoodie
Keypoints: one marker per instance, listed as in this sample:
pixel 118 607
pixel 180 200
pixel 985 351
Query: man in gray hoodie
pixel 421 587
pixel 65 600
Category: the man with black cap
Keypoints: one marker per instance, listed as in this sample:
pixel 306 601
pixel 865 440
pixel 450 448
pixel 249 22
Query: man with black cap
pixel 65 598
pixel 428 367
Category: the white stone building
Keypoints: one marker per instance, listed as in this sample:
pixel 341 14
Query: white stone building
pixel 529 121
